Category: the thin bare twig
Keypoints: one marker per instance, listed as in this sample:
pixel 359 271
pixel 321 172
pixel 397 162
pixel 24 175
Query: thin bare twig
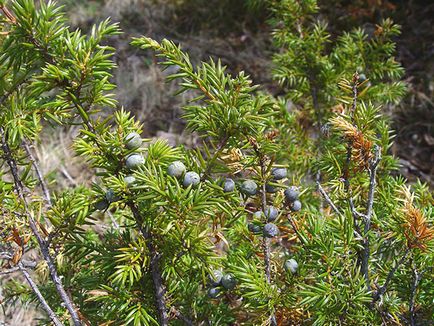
pixel 328 199
pixel 67 175
pixel 414 285
pixel 180 316
pixel 38 293
pixel 21 266
pixel 9 271
pixel 372 183
pixel 382 289
pixel 38 173
pixel 19 188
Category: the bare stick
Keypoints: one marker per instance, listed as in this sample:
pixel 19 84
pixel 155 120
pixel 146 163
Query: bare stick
pixel 38 173
pixel 372 183
pixel 180 316
pixel 19 188
pixel 38 293
pixel 382 289
pixel 416 281
pixel 327 198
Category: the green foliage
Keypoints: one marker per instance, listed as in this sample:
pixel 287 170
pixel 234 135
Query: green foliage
pixel 141 253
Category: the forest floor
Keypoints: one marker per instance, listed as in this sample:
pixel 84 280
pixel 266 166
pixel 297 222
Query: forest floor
pixel 241 38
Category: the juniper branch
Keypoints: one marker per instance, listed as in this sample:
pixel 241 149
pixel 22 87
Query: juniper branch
pixel 414 285
pixel 382 289
pixel 39 295
pixel 328 199
pixel 159 288
pixel 265 240
pixel 38 173
pixel 43 246
pixel 372 183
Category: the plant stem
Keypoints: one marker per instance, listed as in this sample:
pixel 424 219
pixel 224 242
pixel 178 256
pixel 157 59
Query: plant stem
pixel 39 295
pixel 19 188
pixel 372 183
pixel 328 199
pixel 415 284
pixel 382 289
pixel 38 173
pixel 265 240
pixel 159 288
pixel 221 145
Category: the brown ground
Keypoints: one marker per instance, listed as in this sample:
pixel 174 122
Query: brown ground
pixel 240 37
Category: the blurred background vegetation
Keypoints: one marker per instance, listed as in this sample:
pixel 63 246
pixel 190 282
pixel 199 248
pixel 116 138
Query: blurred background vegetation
pixel 238 32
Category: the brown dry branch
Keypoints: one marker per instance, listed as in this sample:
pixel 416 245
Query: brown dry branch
pixel 361 151
pixel 417 231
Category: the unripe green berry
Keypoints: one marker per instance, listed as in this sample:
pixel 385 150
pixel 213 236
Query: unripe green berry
pixel 296 206
pixel 270 230
pixel 133 161
pixel 191 178
pixel 215 277
pixel 249 187
pixel 129 180
pixel 229 185
pixel 278 173
pixel 362 78
pixel 271 213
pixel 133 140
pixel 176 169
pixel 291 266
pixel 228 281
pixel 102 204
pixel 291 193
pixel 213 293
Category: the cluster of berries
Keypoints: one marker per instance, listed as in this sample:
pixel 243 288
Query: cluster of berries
pixel 177 169
pixel 133 141
pixel 270 213
pixel 219 281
